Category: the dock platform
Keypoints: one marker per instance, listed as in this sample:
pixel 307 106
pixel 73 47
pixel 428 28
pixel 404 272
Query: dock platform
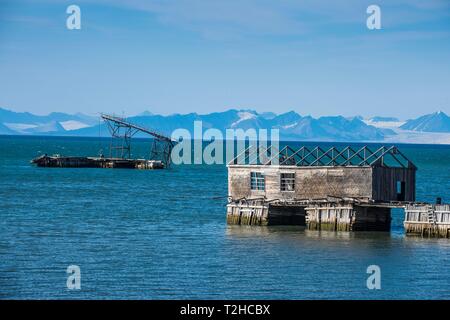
pixel 340 188
pixel 423 219
pixel 58 161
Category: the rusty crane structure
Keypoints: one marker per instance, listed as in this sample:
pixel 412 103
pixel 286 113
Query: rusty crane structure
pixel 122 131
pixel 120 155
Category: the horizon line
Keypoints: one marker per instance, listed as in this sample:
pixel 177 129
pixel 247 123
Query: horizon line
pixel 142 113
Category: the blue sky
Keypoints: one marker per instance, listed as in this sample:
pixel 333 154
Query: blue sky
pixel 311 56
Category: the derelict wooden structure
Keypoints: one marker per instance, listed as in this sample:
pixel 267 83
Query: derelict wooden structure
pixel 343 189
pixel 121 131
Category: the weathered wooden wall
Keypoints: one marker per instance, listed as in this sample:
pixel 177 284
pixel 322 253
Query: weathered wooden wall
pixel 310 182
pixel 384 183
pixel 377 183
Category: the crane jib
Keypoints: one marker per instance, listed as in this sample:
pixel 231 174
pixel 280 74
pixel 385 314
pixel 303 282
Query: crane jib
pixel 122 121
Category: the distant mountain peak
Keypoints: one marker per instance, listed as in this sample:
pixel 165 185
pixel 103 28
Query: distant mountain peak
pixel 244 115
pixel 287 118
pixel 146 113
pixel 433 122
pixel 268 115
pixel 247 111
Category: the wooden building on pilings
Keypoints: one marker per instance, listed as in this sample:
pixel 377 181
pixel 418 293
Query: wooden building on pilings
pixel 345 189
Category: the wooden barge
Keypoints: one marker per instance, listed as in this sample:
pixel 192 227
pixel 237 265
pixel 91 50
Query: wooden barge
pixel 58 161
pixel 339 189
pixel 120 150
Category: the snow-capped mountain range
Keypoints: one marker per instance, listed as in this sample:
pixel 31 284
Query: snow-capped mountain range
pixel 431 128
pixel 27 123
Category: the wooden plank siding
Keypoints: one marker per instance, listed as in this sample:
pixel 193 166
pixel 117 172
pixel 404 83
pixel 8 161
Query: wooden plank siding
pixel 365 182
pixel 384 183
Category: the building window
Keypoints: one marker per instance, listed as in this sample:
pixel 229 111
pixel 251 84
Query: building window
pixel 257 181
pixel 287 182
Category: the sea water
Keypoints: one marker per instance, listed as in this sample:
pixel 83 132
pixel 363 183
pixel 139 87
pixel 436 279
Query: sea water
pixel 162 234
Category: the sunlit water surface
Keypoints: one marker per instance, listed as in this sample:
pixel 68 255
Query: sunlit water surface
pixel 162 235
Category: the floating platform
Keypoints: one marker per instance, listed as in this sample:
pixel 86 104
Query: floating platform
pixel 57 161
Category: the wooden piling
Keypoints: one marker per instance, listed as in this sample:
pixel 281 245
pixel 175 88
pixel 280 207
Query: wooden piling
pixel 347 217
pixel 247 214
pixel 428 220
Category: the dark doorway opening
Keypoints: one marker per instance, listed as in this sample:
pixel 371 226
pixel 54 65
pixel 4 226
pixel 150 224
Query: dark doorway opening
pixel 400 190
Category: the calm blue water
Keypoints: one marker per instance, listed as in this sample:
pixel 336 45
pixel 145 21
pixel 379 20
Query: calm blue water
pixel 162 235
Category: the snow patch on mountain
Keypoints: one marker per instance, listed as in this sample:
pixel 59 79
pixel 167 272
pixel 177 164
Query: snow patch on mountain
pixel 20 127
pixel 243 116
pixel 288 126
pixel 384 124
pixel 73 125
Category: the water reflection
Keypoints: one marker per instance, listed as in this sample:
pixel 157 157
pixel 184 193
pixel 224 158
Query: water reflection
pixel 240 231
pixel 365 239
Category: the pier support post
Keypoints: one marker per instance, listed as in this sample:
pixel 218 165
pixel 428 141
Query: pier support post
pixel 347 217
pixel 263 214
pixel 248 213
pixel 428 220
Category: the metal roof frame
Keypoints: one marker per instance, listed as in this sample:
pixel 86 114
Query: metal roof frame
pixel 318 157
